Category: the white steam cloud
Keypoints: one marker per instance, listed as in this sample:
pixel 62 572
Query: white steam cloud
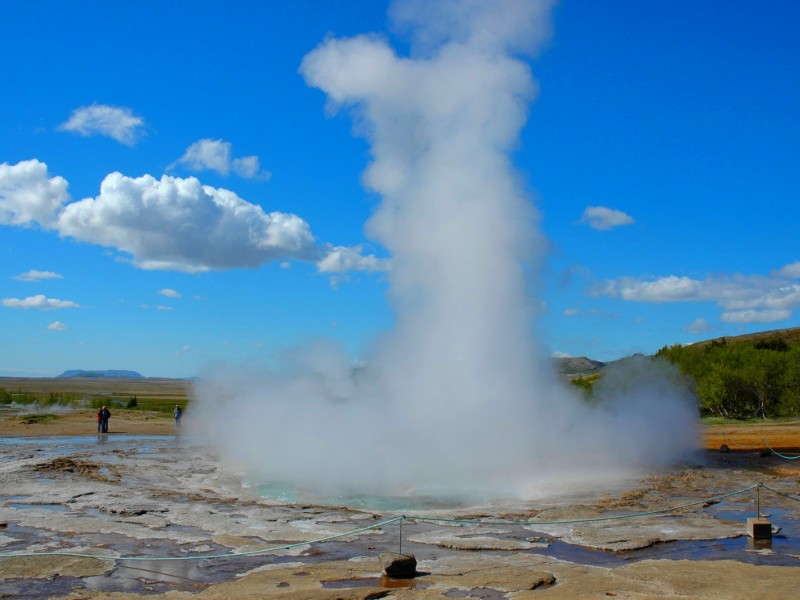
pixel 458 396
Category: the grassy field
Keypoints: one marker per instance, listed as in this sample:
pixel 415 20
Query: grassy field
pixel 150 394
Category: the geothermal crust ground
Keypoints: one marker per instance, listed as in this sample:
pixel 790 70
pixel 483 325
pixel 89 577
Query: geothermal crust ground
pixel 158 497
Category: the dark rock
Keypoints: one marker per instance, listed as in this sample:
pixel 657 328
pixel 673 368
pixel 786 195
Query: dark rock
pixel 545 581
pixel 724 449
pixel 398 566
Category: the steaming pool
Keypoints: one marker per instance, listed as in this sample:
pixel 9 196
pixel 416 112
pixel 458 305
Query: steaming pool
pixel 423 501
pixel 158 496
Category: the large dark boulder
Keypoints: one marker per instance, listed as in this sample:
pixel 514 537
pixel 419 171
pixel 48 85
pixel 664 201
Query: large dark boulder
pixel 398 566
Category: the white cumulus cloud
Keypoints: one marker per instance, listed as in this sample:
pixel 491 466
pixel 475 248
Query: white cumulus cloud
pixel 699 325
pixel 755 316
pixel 169 293
pixel 664 289
pixel 180 224
pixel 249 167
pixel 792 271
pixel 39 301
pixel 340 259
pixel 216 155
pixel 603 218
pixel 29 195
pixel 34 275
pixel 115 122
pixel 744 299
pixel 56 326
pixel 171 223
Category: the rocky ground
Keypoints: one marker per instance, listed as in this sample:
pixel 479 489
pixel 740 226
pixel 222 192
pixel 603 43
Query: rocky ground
pixel 146 493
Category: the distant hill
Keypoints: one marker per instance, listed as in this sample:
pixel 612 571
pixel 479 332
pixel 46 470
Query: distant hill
pixel 100 374
pixel 581 366
pixel 578 365
pixel 756 375
pixel 790 335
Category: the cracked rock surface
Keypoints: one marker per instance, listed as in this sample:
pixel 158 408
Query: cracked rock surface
pixel 156 496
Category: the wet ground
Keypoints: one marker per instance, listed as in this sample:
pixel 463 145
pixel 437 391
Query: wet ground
pixel 163 499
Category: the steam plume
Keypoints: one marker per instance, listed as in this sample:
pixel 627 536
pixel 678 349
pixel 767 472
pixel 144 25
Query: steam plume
pixel 458 396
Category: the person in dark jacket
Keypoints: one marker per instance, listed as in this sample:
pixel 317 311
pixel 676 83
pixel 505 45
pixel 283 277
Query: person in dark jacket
pixel 105 415
pixel 177 414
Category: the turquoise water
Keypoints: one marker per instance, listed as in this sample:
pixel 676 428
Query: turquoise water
pixel 425 501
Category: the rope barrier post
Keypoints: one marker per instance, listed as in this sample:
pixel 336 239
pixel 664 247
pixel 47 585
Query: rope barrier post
pixel 397 565
pixel 400 546
pixel 759 528
pixel 758 502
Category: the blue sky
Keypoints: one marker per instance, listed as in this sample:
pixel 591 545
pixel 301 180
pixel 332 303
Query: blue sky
pixel 662 151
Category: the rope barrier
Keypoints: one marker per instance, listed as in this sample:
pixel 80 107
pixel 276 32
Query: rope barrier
pixel 730 442
pixel 774 491
pixel 764 442
pixel 776 453
pixel 205 556
pixel 400 519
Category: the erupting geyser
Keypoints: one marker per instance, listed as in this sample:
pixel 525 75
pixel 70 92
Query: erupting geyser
pixel 458 397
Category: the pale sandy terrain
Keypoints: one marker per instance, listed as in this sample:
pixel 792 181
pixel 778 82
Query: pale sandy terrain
pixel 783 436
pixel 84 422
pixel 780 435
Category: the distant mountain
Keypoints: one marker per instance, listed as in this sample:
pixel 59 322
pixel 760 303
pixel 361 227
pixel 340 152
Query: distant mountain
pixel 578 365
pixel 100 374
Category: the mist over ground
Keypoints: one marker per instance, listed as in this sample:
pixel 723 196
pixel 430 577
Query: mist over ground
pixel 458 397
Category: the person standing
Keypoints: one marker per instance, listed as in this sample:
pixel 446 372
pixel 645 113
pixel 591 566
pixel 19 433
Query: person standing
pixel 105 415
pixel 99 420
pixel 177 414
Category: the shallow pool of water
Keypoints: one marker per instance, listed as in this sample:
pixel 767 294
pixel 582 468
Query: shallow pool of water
pixel 51 507
pixel 59 445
